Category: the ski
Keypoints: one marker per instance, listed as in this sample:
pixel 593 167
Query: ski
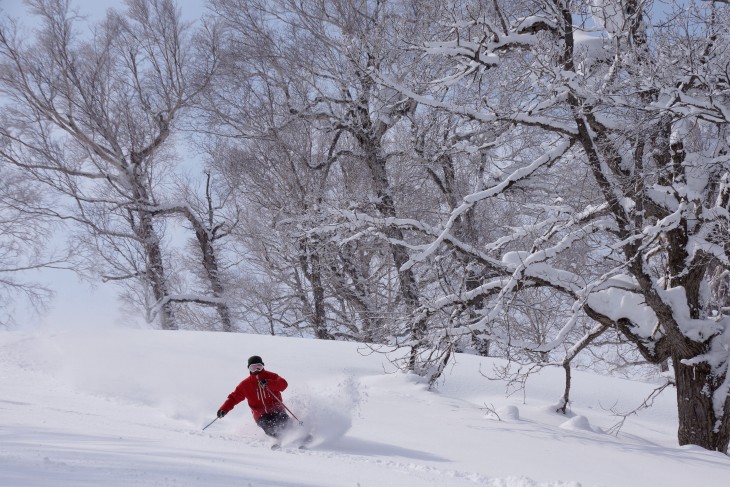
pixel 304 443
pixel 299 445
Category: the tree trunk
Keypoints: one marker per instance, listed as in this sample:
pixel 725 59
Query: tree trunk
pixel 311 265
pixel 210 264
pixel 406 279
pixel 315 278
pixel 358 294
pixel 563 406
pixel 478 338
pixel 155 272
pixel 698 424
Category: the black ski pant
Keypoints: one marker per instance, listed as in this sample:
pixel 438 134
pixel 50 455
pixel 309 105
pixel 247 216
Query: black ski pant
pixel 274 423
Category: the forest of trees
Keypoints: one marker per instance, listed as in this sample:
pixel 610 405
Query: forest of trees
pixel 546 181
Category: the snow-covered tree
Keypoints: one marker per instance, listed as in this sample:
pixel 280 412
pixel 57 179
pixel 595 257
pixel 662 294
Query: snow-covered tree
pixel 635 114
pixel 308 64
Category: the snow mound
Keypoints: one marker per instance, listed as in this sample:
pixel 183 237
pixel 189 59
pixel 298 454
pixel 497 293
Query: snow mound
pixel 579 423
pixel 509 413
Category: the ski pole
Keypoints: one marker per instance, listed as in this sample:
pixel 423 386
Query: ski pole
pixel 216 419
pixel 301 423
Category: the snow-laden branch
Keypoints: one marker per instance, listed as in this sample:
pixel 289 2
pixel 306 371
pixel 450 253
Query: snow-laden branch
pixel 356 220
pixel 469 201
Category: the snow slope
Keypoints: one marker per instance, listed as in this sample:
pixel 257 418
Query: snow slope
pixel 118 407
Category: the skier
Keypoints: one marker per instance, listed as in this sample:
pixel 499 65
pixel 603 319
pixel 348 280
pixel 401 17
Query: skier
pixel 263 391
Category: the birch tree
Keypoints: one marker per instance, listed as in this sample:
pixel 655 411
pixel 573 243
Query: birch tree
pixel 640 114
pixel 211 213
pixel 92 114
pixel 317 57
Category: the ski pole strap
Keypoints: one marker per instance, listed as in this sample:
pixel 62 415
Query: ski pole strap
pixel 282 403
pixel 216 419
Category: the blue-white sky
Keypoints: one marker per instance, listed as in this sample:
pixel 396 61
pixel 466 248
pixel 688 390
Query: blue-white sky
pixel 95 9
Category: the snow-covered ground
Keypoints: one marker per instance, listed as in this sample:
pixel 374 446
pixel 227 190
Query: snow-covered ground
pixel 119 407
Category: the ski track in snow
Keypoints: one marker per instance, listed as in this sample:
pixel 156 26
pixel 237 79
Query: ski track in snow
pixel 77 410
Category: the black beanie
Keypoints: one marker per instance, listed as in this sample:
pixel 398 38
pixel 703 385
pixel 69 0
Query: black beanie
pixel 255 359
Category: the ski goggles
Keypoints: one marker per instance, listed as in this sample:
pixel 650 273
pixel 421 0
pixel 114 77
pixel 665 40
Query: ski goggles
pixel 253 368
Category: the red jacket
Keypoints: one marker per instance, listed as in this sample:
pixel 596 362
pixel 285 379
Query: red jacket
pixel 260 399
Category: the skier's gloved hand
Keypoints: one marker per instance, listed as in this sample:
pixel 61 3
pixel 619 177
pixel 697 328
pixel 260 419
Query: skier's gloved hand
pixel 221 413
pixel 263 382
